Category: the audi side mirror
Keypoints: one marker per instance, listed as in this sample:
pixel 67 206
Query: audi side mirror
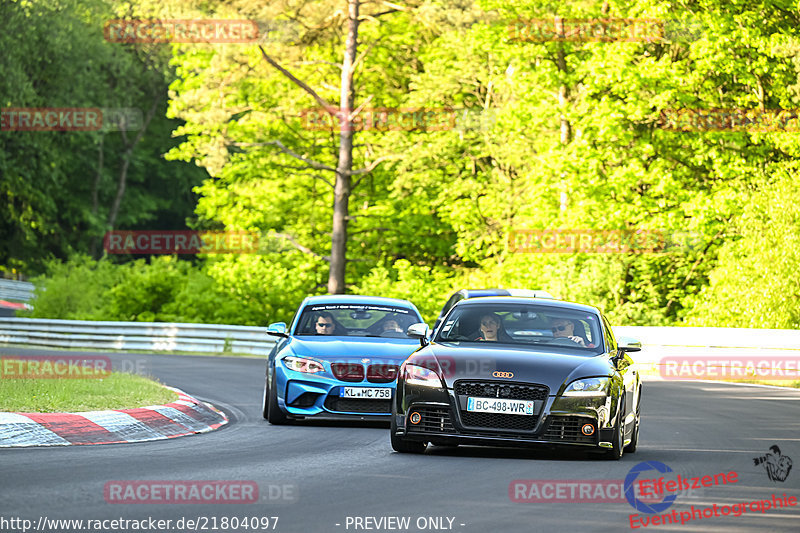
pixel 419 331
pixel 628 344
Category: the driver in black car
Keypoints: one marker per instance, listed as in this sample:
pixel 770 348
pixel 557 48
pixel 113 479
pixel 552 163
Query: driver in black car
pixel 492 329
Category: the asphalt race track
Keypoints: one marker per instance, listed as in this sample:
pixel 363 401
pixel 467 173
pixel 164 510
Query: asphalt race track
pixel 318 477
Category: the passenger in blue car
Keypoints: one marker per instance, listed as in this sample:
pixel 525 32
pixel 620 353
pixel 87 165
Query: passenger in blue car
pixel 391 325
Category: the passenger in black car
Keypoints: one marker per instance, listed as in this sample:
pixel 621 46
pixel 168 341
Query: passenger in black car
pixel 565 328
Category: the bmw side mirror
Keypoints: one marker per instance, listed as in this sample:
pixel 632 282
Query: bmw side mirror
pixel 628 344
pixel 278 329
pixel 419 331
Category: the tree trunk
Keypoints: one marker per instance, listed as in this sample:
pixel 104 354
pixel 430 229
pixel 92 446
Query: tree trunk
pixel 126 159
pixel 342 188
pixel 563 98
pixel 95 194
pixel 121 185
pixel 563 89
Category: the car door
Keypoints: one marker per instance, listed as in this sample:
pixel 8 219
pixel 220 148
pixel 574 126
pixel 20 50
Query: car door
pixel 624 365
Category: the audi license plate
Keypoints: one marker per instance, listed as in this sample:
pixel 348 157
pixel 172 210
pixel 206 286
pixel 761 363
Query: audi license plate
pixel 500 406
pixel 373 393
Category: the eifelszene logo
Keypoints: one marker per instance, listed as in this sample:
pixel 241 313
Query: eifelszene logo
pixel 638 504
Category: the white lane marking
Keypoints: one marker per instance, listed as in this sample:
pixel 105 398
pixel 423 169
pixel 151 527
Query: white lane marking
pixel 122 424
pixel 19 430
pixel 177 416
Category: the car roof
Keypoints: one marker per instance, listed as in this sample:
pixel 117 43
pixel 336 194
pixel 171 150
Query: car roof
pixel 533 293
pixel 532 301
pixel 473 293
pixel 355 299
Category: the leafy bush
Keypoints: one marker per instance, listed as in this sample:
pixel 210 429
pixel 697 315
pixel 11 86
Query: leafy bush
pixel 164 290
pixel 755 282
pixel 75 289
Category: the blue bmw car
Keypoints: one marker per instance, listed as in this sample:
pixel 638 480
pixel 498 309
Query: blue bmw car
pixel 338 359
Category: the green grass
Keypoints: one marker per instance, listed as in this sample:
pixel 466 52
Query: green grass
pixel 114 391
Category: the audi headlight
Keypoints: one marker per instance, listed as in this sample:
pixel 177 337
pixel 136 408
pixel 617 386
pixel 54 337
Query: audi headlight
pixel 587 387
pixel 303 364
pixel 419 375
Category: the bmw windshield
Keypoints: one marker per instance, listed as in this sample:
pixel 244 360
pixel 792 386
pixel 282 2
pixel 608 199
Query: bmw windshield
pixel 356 320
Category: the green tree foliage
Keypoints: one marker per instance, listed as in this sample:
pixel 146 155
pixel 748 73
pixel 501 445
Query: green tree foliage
pixel 754 283
pixel 545 135
pixel 58 188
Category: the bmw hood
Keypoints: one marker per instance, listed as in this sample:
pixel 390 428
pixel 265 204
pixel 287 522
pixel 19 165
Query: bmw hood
pixel 507 363
pixel 381 350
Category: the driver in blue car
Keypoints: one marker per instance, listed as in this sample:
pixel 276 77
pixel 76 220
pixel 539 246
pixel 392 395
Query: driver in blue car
pixel 325 324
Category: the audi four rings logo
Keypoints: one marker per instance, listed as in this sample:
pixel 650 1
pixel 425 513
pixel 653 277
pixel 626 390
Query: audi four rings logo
pixel 499 374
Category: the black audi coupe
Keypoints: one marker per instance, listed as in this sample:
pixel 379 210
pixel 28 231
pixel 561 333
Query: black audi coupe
pixel 509 371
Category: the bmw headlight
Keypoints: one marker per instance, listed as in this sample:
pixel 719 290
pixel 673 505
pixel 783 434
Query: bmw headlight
pixel 303 364
pixel 587 387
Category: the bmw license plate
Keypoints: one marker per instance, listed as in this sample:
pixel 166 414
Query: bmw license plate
pixel 500 406
pixel 372 393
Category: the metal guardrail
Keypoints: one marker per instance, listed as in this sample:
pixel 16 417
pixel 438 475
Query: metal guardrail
pixel 213 338
pixel 136 336
pixel 662 346
pixel 780 339
pixel 11 290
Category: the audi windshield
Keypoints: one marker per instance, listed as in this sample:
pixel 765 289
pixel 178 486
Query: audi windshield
pixel 527 325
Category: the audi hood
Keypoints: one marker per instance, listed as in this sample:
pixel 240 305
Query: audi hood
pixel 456 362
